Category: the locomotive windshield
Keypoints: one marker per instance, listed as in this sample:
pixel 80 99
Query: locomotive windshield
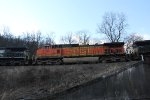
pixel 12 52
pixel 2 53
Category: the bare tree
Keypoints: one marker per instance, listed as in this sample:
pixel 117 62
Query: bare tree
pixel 38 38
pixel 32 41
pixel 113 26
pixel 84 37
pixel 6 32
pixel 35 37
pixel 129 40
pixel 68 39
pixel 49 40
pixel 96 41
pixel 6 37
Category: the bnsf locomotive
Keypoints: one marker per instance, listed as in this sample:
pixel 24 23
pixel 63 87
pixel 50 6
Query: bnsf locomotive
pixel 55 53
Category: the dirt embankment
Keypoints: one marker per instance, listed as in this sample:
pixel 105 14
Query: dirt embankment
pixel 36 82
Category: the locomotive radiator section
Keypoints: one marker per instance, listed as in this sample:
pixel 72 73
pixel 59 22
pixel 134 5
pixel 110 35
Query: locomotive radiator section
pixel 14 56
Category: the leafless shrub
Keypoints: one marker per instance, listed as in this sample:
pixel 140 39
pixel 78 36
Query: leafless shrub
pixel 68 39
pixel 113 26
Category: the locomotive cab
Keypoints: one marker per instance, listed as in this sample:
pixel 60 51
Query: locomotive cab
pixel 49 54
pixel 114 48
pixel 113 52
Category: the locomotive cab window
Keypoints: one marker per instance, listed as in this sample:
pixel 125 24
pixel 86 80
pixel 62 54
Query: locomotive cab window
pixel 2 52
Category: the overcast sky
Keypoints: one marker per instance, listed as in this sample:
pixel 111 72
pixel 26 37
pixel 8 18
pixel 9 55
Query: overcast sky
pixel 62 16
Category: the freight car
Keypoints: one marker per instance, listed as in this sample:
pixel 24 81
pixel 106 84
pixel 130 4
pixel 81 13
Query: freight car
pixel 56 53
pixel 13 56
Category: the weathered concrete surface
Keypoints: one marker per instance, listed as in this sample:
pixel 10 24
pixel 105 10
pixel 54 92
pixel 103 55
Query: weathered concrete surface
pixel 130 84
pixel 46 81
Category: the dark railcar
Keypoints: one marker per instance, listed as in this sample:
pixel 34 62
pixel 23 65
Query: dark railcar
pixel 141 49
pixel 13 56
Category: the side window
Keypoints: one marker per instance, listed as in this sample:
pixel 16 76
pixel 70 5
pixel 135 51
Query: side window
pixel 46 47
pixel 2 53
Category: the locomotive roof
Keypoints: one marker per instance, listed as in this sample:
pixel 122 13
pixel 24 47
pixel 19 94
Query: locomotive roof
pixel 142 43
pixel 13 48
pixel 70 45
pixel 91 45
pixel 114 44
pixel 62 45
